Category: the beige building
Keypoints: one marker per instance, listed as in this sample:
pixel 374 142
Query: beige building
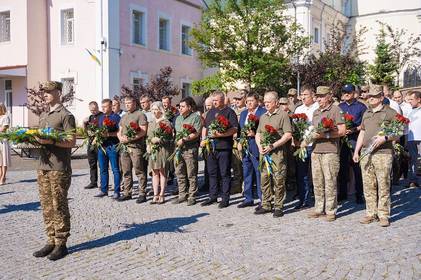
pixel 317 17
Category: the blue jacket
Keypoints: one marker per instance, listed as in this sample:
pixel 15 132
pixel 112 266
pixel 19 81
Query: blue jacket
pixel 252 142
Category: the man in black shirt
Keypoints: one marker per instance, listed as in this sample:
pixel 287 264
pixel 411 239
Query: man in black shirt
pixel 92 152
pixel 220 156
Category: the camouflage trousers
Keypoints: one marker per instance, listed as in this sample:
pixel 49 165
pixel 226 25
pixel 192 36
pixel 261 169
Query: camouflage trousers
pixel 186 170
pixel 376 170
pixel 325 169
pixel 274 185
pixel 53 188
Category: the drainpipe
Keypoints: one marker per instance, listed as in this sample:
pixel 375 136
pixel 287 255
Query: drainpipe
pixel 101 50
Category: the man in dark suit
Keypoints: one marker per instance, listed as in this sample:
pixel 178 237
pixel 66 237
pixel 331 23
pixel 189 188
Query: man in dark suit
pixel 251 153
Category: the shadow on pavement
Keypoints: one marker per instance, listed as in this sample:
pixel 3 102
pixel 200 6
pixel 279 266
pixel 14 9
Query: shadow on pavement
pixel 136 230
pixel 31 206
pixel 405 203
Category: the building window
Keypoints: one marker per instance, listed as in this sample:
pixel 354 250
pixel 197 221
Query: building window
pixel 316 35
pixel 67 27
pixel 186 90
pixel 139 29
pixel 185 38
pixel 137 82
pixel 164 34
pixel 8 95
pixel 412 77
pixel 5 26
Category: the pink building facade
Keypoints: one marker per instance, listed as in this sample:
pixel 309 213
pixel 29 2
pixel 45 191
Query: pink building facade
pixel 130 40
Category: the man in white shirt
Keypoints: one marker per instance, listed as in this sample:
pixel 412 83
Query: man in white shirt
pixel 303 168
pixel 399 98
pixel 414 136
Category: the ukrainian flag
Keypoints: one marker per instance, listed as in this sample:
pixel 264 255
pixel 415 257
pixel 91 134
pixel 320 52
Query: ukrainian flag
pixel 94 57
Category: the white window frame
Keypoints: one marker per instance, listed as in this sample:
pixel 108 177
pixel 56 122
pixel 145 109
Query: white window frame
pixel 139 75
pixel 64 37
pixel 316 35
pixel 188 24
pixel 10 25
pixel 138 8
pixel 186 81
pixel 169 37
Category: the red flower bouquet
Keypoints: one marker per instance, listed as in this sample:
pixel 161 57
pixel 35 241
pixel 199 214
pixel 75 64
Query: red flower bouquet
pixel 394 128
pixel 269 136
pixel 186 130
pixel 163 133
pixel 131 131
pixel 301 124
pixel 252 124
pixel 221 125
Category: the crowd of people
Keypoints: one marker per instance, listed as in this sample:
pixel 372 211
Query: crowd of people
pixel 326 171
pixel 257 160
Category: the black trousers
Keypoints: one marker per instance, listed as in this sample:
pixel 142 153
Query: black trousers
pixel 343 177
pixel 220 161
pixel 93 165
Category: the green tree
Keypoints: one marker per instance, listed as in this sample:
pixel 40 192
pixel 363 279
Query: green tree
pixel 383 70
pixel 250 41
pixel 207 85
pixel 405 48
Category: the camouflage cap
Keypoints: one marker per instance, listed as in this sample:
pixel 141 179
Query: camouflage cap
pixel 323 90
pixel 51 85
pixel 292 92
pixel 375 90
pixel 283 100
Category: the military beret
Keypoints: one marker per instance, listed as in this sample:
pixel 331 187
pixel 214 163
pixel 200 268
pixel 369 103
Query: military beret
pixel 283 100
pixel 375 90
pixel 51 85
pixel 292 92
pixel 323 90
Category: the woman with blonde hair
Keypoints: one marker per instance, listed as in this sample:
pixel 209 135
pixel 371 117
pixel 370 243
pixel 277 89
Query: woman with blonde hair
pixel 158 162
pixel 4 145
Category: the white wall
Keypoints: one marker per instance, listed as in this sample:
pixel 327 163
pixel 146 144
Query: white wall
pixel 15 52
pixel 73 61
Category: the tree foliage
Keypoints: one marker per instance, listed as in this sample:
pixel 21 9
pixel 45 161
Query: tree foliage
pixel 160 85
pixel 250 41
pixel 405 48
pixel 209 84
pixel 36 100
pixel 385 65
pixel 338 64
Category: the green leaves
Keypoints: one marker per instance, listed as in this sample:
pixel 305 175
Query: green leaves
pixel 250 41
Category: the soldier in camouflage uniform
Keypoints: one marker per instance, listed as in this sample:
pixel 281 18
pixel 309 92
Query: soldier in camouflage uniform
pixel 325 156
pixel 54 174
pixel 376 167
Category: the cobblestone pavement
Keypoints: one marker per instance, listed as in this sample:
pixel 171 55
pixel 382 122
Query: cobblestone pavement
pixel 124 240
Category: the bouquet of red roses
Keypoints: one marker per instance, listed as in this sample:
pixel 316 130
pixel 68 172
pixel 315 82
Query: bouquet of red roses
pixel 97 132
pixel 301 124
pixel 131 131
pixel 394 128
pixel 326 125
pixel 220 124
pixel 170 113
pixel 269 136
pixel 252 124
pixel 349 124
pixel 162 134
pixel 185 131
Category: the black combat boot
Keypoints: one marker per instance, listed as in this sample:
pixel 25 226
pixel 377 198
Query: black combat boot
pixel 44 251
pixel 59 252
